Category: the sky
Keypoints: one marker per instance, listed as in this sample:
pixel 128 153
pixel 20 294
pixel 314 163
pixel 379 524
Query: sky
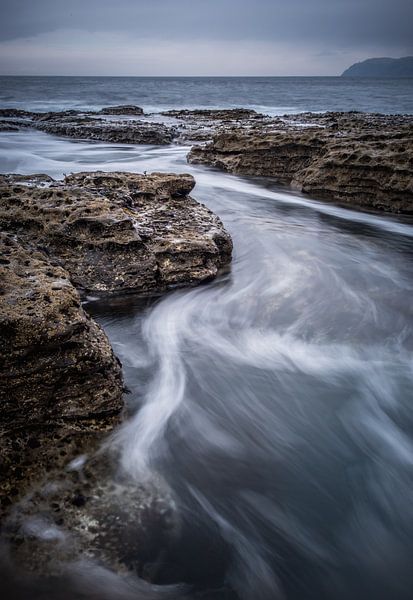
pixel 199 37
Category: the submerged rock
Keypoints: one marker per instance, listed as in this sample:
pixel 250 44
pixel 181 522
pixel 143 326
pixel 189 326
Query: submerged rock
pixel 350 158
pixel 60 383
pixel 93 511
pixel 118 232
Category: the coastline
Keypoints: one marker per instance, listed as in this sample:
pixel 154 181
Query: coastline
pixel 236 142
pixel 362 160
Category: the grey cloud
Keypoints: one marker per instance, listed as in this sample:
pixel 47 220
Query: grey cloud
pixel 339 23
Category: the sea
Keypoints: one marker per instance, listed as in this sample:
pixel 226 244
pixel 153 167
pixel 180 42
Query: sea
pixel 276 402
pixel 270 95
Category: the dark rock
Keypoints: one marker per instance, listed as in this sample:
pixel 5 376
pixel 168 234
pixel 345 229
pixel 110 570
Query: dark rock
pixel 188 125
pixel 119 132
pixel 91 509
pixel 58 116
pixel 8 126
pixel 16 113
pixel 61 385
pixel 201 125
pixel 228 114
pixel 351 158
pixel 127 109
pixel 274 154
pixel 88 125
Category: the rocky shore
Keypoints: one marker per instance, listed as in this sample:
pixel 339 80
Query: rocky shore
pixel 89 125
pixel 128 124
pixel 61 386
pixel 118 232
pixel 355 159
pixel 107 234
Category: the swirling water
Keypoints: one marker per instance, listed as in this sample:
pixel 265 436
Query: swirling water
pixel 277 400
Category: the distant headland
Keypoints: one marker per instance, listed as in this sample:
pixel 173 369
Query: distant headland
pixel 381 67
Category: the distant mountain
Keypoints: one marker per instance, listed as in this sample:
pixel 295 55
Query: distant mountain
pixel 381 67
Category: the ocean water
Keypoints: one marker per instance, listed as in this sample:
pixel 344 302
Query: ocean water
pixel 276 401
pixel 271 95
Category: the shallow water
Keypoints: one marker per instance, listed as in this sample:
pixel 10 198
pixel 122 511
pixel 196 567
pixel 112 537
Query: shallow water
pixel 276 400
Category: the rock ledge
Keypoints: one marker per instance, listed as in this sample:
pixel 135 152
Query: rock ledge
pixel 118 232
pixel 353 159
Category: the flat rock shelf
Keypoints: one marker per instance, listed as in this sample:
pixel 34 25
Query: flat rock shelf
pixel 118 232
pixel 361 160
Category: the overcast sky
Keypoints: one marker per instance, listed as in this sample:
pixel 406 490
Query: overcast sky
pixel 199 37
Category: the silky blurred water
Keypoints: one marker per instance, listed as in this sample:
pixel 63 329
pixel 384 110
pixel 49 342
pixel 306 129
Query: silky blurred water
pixel 277 400
pixel 270 95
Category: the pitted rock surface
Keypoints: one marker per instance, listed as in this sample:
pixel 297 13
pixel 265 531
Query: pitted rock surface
pixel 60 383
pixel 354 159
pixel 90 509
pixel 117 232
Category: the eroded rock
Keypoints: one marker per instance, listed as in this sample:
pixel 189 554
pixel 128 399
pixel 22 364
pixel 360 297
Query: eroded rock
pixel 200 125
pixel 118 232
pixel 60 383
pixel 90 509
pixel 350 158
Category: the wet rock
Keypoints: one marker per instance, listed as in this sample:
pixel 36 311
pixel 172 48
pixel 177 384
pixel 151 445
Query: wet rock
pixel 118 232
pixel 60 383
pixel 40 179
pixel 90 509
pixel 89 125
pixel 228 114
pixel 8 126
pixel 202 124
pixel 63 115
pixel 350 158
pixel 127 109
pixel 275 153
pixel 120 132
pixel 16 113
pixel 108 125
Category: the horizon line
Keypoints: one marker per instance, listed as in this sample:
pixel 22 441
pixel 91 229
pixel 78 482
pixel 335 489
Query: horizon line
pixel 160 76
